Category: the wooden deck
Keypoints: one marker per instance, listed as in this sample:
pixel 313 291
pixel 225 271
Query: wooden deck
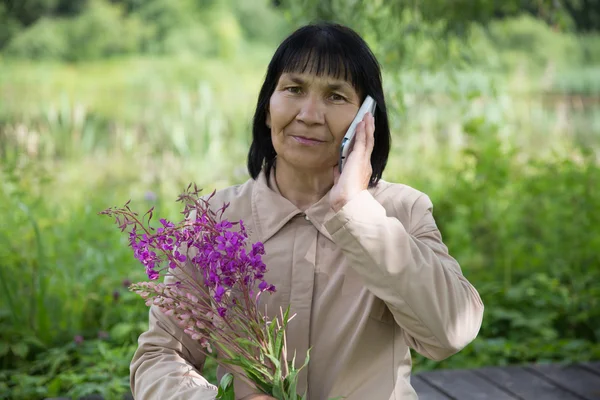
pixel 536 382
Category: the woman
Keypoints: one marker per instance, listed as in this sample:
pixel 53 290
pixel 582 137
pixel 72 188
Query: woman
pixel 360 260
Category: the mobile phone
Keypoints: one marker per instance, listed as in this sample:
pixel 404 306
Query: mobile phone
pixel 367 106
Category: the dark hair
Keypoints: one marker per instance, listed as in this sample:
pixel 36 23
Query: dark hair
pixel 323 49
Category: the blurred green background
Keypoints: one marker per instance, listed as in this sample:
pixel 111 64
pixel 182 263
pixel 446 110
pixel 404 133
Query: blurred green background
pixel 495 113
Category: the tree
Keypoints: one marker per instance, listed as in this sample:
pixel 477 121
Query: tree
pixel 585 14
pixel 426 33
pixel 454 16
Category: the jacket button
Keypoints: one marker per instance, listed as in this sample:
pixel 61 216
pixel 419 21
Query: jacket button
pixel 306 217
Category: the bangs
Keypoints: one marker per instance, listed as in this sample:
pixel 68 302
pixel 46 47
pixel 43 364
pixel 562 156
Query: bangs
pixel 322 57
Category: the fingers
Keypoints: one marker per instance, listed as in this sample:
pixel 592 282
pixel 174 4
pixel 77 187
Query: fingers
pixel 370 132
pixel 361 148
pixel 365 135
pixel 360 140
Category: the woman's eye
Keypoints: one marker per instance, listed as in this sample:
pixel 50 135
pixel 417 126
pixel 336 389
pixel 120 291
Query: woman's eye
pixel 337 97
pixel 294 89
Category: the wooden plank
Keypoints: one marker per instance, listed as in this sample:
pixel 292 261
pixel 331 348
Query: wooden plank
pixel 592 367
pixel 573 378
pixel 465 385
pixel 524 384
pixel 425 391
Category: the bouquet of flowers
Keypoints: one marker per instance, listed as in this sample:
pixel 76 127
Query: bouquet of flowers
pixel 216 280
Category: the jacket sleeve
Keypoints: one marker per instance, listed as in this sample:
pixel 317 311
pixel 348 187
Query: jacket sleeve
pixel 167 362
pixel 409 268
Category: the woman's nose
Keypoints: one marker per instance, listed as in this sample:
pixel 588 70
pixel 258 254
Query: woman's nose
pixel 311 111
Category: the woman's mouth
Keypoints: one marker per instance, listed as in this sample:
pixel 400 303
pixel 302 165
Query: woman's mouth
pixel 307 141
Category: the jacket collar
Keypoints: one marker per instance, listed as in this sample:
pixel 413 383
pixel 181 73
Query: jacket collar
pixel 271 211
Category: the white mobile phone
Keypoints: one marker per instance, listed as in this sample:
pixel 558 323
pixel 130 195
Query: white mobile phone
pixel 367 106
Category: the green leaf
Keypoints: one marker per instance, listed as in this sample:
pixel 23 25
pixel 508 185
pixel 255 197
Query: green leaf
pixel 226 388
pixel 54 386
pixel 262 385
pixel 277 350
pixel 3 349
pixel 278 391
pixel 292 383
pixel 20 349
pixel 306 360
pixel 226 380
pixel 33 340
pixel 122 331
pixel 246 343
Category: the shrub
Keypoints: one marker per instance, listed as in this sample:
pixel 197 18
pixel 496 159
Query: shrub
pixel 45 40
pixel 101 30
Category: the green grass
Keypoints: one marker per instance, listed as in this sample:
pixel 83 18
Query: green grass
pixel 514 196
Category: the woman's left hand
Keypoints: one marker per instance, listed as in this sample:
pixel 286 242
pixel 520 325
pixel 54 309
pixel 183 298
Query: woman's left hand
pixel 357 170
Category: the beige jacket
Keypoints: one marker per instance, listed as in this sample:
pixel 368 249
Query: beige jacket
pixel 366 284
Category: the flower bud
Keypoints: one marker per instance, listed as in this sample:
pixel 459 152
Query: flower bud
pixel 192 298
pixel 189 332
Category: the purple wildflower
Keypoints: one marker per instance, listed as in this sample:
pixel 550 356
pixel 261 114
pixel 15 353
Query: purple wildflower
pixel 223 225
pixel 150 196
pixel 219 292
pixel 180 257
pixel 223 262
pixel 166 223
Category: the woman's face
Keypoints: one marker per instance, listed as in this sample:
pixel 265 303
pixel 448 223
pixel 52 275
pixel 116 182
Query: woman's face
pixel 308 116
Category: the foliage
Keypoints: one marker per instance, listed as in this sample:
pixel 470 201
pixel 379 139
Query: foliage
pixel 585 13
pixel 541 318
pixel 76 369
pixel 436 33
pixel 101 30
pixel 95 29
pixel 452 17
pixel 46 39
pixel 9 26
pixel 526 39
